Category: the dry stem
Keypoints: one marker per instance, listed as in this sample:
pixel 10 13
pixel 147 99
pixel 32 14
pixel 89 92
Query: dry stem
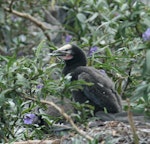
pixel 66 116
pixel 131 122
pixel 32 19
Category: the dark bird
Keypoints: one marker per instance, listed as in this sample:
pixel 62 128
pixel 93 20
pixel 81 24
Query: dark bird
pixel 101 94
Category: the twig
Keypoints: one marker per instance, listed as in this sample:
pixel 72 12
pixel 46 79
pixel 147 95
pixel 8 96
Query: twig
pixel 32 19
pixel 67 117
pixel 127 82
pixel 57 141
pixel 11 3
pixel 131 122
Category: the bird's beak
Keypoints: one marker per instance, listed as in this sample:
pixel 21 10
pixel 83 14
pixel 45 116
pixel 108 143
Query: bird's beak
pixel 62 51
pixel 58 53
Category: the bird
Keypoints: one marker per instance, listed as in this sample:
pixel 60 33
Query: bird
pixel 101 94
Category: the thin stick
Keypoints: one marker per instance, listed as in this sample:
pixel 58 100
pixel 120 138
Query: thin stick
pixel 38 142
pixel 131 122
pixel 127 82
pixel 32 19
pixel 66 116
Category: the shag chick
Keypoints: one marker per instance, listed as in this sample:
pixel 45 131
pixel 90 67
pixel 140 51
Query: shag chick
pixel 101 94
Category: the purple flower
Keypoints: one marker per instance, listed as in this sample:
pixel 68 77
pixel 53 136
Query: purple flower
pixel 39 86
pixel 29 118
pixel 14 18
pixel 68 38
pixel 146 35
pixel 102 71
pixel 92 50
pixel 20 53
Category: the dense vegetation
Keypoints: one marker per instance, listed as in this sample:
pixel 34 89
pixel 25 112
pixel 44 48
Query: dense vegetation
pixel 114 34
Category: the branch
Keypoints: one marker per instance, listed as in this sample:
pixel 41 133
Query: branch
pixel 131 122
pixel 66 116
pixel 38 142
pixel 127 82
pixel 11 3
pixel 32 19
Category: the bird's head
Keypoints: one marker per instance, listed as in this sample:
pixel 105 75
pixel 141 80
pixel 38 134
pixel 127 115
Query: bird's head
pixel 73 57
pixel 65 52
pixel 70 53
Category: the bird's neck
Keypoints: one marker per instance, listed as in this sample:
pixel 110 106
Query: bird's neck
pixel 71 66
pixel 69 69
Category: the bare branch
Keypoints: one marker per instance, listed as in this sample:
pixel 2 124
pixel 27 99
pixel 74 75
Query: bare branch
pixel 11 3
pixel 32 19
pixel 66 116
pixel 131 122
pixel 39 142
pixel 127 82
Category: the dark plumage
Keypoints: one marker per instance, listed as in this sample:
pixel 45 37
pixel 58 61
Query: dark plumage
pixel 102 93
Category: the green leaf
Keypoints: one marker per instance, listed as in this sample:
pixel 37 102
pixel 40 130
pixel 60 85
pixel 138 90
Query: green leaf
pixel 2 16
pixel 147 22
pixel 39 48
pixel 148 61
pixel 108 52
pixel 2 96
pixel 4 58
pixel 139 92
pixel 93 17
pixel 81 17
pixel 21 80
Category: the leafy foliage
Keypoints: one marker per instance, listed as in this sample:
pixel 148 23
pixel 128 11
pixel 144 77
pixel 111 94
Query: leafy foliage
pixel 115 28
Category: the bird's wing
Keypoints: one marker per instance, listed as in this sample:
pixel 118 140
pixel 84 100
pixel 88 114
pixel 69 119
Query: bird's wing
pixel 101 93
